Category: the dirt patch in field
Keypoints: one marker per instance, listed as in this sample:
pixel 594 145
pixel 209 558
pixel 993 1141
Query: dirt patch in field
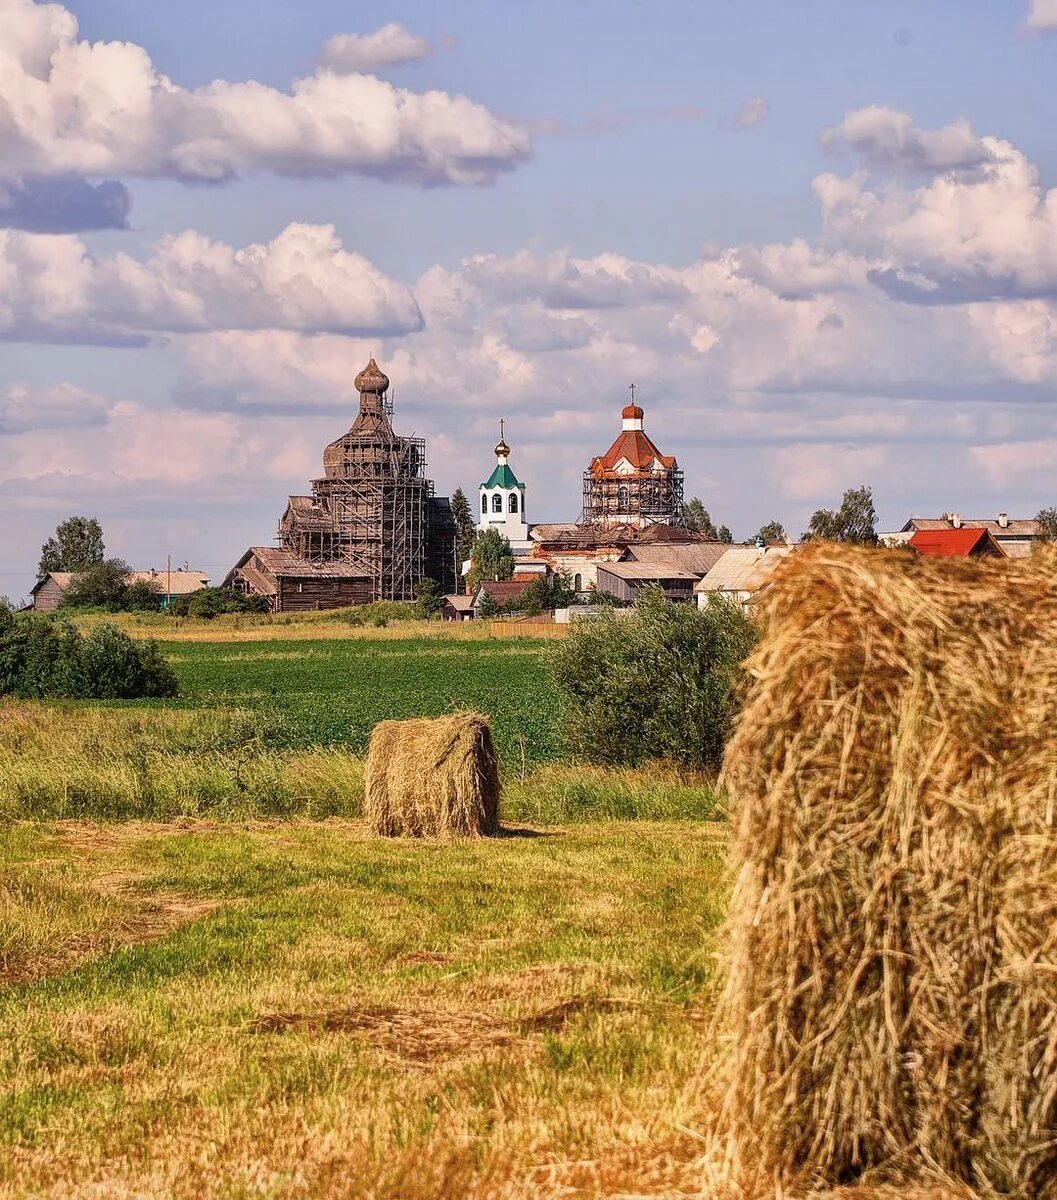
pixel 427 958
pixel 421 1036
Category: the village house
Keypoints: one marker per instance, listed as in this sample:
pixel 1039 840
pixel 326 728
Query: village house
pixel 1015 536
pixel 741 573
pixel 48 593
pixel 968 542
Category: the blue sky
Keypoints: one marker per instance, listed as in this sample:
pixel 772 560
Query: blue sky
pixel 635 195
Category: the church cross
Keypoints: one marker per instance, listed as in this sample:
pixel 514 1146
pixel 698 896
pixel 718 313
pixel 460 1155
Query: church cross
pixel 502 429
pixel 631 389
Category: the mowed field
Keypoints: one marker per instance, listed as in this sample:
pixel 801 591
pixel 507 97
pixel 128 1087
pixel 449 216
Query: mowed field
pixel 213 983
pixel 290 1009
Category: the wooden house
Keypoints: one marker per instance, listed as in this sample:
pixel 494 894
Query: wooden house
pixel 294 584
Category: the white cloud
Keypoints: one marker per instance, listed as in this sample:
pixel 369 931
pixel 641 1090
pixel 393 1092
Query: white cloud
pixel 1042 16
pixel 751 113
pixel 989 234
pixel 1005 463
pixel 779 374
pixel 821 471
pixel 885 137
pixel 51 289
pixel 389 46
pixel 62 406
pixel 72 107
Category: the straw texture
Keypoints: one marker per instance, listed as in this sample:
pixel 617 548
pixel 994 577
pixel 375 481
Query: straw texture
pixel 433 778
pixel 891 973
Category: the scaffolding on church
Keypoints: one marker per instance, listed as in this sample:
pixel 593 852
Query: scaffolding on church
pixel 647 498
pixel 371 510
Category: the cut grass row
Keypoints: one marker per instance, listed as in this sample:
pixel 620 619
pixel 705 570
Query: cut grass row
pixel 86 761
pixel 292 1010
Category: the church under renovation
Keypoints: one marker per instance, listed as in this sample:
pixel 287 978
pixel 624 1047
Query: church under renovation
pixel 371 527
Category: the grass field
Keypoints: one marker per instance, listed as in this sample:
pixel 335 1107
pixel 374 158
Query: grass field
pixel 332 692
pixel 290 1010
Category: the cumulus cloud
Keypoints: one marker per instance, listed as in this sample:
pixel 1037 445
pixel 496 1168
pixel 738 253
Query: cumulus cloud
pixel 985 235
pixel 62 406
pixel 751 113
pixel 72 107
pixel 805 366
pixel 1042 16
pixel 885 137
pixel 389 46
pixel 63 205
pixel 52 289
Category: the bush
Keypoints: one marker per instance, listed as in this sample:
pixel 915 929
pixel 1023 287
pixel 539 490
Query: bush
pixel 101 585
pixel 661 683
pixel 46 656
pixel 210 602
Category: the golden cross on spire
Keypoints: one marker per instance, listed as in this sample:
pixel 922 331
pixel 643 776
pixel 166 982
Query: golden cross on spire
pixel 502 428
pixel 631 389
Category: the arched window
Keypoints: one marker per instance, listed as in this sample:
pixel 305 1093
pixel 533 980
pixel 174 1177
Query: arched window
pixel 578 582
pixel 622 499
pixel 497 503
pixel 513 501
pixel 484 503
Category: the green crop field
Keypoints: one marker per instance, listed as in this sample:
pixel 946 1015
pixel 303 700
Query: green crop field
pixel 332 692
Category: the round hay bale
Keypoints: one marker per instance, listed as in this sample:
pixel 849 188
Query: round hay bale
pixel 433 778
pixel 891 961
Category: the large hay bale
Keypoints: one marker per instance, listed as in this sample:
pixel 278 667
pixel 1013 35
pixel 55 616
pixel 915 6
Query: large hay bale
pixel 891 991
pixel 433 778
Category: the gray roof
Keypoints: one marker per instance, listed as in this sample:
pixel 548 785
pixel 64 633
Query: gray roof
pixel 1020 527
pixel 697 557
pixel 172 583
pixel 641 570
pixel 282 562
pixel 744 569
pixel 458 601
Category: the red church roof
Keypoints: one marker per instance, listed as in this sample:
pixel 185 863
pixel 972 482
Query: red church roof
pixel 954 543
pixel 637 448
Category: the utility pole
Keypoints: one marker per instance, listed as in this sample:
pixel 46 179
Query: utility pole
pixel 168 582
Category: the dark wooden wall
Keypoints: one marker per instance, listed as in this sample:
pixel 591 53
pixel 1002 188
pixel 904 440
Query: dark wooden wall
pixel 312 593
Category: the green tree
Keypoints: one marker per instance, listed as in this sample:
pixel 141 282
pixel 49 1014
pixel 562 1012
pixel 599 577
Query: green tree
pixel 488 607
pixel 697 519
pixel 490 559
pixel 465 529
pixel 855 522
pixel 659 683
pixel 429 599
pixel 773 531
pixel 141 596
pixel 1047 519
pixel 101 585
pixel 77 544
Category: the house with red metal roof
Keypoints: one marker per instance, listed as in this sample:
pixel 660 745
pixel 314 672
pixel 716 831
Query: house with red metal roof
pixel 956 543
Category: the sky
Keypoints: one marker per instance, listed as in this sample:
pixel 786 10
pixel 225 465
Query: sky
pixel 820 236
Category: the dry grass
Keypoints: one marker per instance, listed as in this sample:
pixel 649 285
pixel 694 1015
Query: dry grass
pixel 311 626
pixel 892 994
pixel 355 1017
pixel 433 778
pixel 125 763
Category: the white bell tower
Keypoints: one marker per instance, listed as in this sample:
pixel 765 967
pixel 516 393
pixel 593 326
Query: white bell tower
pixel 501 499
